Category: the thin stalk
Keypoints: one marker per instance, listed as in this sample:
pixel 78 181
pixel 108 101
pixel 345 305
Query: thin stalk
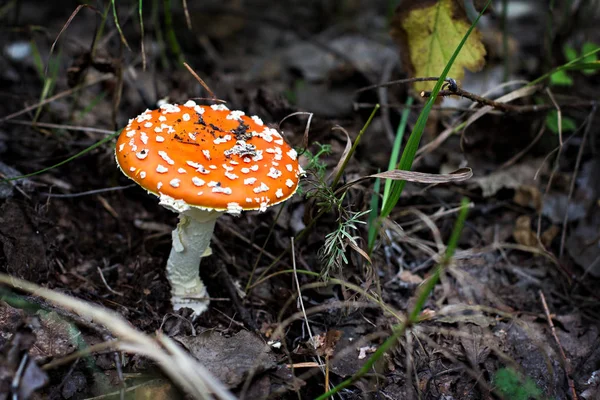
pixel 82 152
pixel 354 145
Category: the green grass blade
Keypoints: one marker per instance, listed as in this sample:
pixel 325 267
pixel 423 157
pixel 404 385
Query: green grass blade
pixel 100 31
pixel 412 146
pixel 49 80
pixel 46 91
pixel 373 221
pixel 116 18
pixel 354 145
pixel 170 32
pixel 590 66
pixel 82 152
pixel 393 164
pixel 143 49
pixel 566 66
pixel 37 60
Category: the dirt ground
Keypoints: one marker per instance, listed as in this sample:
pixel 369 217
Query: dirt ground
pixel 520 297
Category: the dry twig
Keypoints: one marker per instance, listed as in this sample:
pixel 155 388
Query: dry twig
pixel 566 362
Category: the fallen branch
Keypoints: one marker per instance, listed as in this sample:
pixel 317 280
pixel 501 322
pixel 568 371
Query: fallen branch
pixel 512 108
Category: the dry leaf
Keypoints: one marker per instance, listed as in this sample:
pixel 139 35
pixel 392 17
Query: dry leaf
pixel 409 277
pixel 528 196
pixel 428 32
pixel 158 389
pixel 459 175
pixel 328 342
pixel 523 233
pixel 549 234
pixel 455 313
pixel 512 177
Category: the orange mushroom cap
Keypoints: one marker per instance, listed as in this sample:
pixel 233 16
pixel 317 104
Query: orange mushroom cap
pixel 208 157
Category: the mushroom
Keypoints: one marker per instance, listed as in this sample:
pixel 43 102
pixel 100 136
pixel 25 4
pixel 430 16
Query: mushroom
pixel 203 161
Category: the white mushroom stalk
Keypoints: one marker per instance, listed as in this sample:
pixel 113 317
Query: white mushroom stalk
pixel 191 241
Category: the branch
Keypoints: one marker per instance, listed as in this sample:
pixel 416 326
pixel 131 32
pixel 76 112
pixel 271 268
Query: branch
pixel 521 109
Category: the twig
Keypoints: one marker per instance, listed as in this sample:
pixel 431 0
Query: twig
pixel 96 348
pixel 60 126
pixel 106 283
pixel 188 20
pixel 560 348
pixel 16 381
pixel 558 114
pixel 528 108
pixel 200 80
pixel 521 153
pixel 573 181
pixel 383 94
pixel 404 81
pixel 402 106
pixel 56 97
pixel 88 193
pixel 473 97
pixel 506 98
pixel 301 303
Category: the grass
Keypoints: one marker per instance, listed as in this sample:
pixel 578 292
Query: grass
pixel 118 25
pixel 67 160
pixel 413 316
pixel 170 32
pixel 374 221
pixel 48 74
pixel 391 197
pixel 577 63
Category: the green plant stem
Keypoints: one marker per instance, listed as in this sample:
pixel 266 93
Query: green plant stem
pixel 143 50
pixel 413 318
pixel 373 216
pixel 353 148
pixel 158 31
pixel 116 18
pixel 99 32
pixel 563 67
pixel 170 32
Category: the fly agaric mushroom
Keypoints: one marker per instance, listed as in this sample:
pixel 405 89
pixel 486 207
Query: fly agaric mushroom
pixel 203 161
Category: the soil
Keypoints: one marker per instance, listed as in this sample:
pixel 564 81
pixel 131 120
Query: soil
pixel 520 295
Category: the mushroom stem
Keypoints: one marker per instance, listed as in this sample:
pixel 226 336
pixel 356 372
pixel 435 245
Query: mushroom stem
pixel 191 240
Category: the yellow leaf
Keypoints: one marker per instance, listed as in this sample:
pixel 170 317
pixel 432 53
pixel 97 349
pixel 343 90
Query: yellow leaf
pixel 428 32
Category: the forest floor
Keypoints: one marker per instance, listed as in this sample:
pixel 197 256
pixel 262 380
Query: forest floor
pixel 515 312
